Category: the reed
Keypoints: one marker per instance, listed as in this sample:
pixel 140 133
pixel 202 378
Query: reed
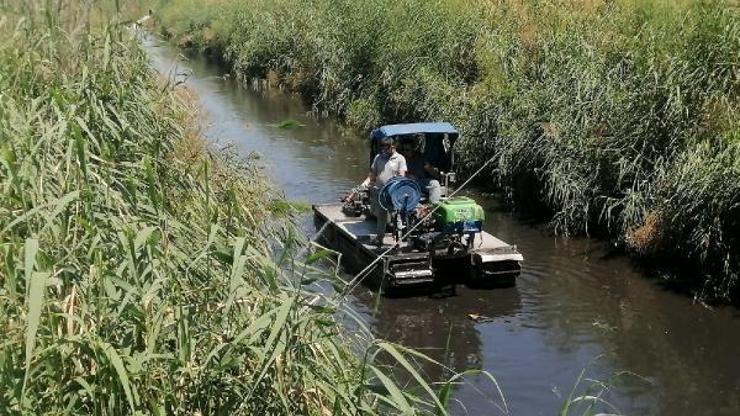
pixel 595 110
pixel 137 270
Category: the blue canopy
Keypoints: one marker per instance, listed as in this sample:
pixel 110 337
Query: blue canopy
pixel 412 128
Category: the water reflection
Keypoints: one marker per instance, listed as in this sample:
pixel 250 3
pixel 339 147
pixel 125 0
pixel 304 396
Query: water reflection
pixel 444 328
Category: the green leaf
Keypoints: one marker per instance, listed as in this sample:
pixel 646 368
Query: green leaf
pixel 237 267
pixel 393 351
pixel 31 248
pixel 86 387
pixel 36 292
pixel 252 331
pixel 398 397
pixel 444 397
pixel 318 255
pixel 275 330
pixel 59 203
pixel 117 363
pixel 143 236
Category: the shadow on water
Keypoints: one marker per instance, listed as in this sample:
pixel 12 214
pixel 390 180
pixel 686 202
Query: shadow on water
pixel 574 301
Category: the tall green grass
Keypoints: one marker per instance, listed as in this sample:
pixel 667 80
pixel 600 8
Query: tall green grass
pixel 136 269
pixel 598 110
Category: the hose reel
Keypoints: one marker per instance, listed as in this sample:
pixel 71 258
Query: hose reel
pixel 400 194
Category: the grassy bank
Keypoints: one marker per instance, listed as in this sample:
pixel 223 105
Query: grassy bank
pixel 618 118
pixel 136 270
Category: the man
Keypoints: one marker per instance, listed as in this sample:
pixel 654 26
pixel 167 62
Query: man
pixel 422 171
pixel 386 164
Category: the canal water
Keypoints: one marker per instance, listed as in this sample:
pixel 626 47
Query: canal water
pixel 578 311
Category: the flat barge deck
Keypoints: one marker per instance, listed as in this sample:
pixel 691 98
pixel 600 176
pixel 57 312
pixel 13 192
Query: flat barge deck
pixel 490 262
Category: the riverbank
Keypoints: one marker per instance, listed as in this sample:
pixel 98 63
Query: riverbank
pixel 137 272
pixel 616 119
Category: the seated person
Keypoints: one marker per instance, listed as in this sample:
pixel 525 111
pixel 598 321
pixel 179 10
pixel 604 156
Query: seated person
pixel 419 169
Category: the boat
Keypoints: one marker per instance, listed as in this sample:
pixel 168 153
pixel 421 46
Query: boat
pixel 426 244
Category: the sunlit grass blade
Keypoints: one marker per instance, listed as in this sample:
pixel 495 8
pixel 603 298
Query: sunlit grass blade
pixel 37 287
pixel 392 350
pixel 117 363
pixel 399 400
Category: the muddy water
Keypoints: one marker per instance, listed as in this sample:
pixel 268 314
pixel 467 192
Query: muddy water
pixel 577 306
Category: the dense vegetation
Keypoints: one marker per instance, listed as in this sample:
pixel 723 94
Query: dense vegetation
pixel 136 270
pixel 617 117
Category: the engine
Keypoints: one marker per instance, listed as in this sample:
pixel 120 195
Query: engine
pixel 452 228
pixel 460 214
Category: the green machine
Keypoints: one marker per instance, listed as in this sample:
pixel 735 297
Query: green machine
pixel 460 214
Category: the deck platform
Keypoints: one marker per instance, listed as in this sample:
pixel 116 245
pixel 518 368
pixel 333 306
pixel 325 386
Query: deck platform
pixel 364 230
pixel 490 258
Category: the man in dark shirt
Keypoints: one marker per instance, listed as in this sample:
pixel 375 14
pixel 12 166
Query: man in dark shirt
pixel 419 169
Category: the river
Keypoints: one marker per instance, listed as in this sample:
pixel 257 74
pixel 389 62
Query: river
pixel 577 306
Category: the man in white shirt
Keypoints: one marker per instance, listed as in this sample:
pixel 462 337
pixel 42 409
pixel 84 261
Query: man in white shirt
pixel 387 164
